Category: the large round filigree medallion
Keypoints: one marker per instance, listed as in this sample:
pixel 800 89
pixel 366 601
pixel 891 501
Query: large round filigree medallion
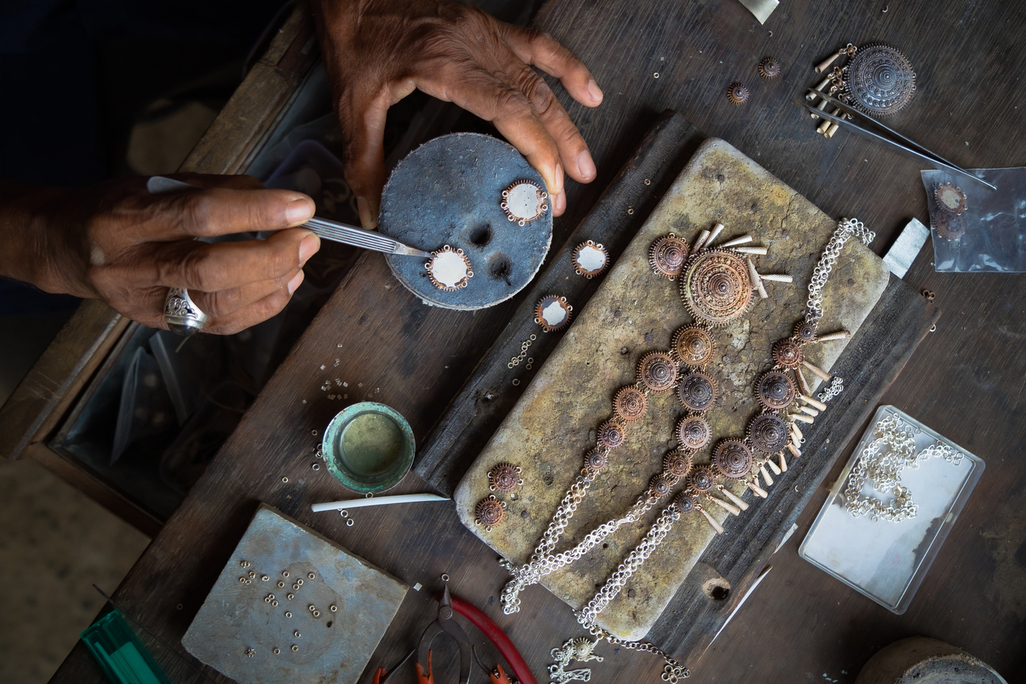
pixel 657 371
pixel 733 459
pixel 880 80
pixel 775 390
pixel 630 404
pixel 693 345
pixel 696 391
pixel 693 432
pixel 716 287
pixel 768 433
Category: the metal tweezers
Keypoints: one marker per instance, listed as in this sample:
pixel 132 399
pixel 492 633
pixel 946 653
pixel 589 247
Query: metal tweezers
pixel 868 127
pixel 325 228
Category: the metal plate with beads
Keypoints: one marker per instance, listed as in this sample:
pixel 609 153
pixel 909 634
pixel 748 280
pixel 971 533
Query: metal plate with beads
pixel 240 632
pixel 449 191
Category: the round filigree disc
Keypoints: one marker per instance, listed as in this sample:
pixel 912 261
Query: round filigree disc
pixel 552 313
pixel 677 463
pixel 524 201
pixel 685 502
pixel 657 371
pixel 610 434
pixel 590 259
pixel 733 459
pixel 667 256
pixel 595 461
pixel 716 287
pixel 630 404
pixel 697 391
pixel 768 433
pixel 788 353
pixel 880 80
pixel 658 486
pixel 702 479
pixel 489 512
pixel 775 390
pixel 693 345
pixel 693 432
pixel 950 199
pixel 449 269
pixel 504 477
pixel 805 331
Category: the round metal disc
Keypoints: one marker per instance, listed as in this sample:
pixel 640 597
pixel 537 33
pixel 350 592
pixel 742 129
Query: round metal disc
pixel 449 192
pixel 880 80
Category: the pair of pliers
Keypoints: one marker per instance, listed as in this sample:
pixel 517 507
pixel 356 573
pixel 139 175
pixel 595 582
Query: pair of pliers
pixel 443 623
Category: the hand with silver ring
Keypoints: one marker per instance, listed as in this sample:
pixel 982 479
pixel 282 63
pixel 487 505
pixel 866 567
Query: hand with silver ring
pixel 117 242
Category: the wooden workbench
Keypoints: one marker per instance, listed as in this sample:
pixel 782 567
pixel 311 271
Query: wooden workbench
pixel 966 379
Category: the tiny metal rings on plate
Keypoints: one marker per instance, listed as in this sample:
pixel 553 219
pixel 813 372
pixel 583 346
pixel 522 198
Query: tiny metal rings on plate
pixel 590 259
pixel 288 613
pixel 349 522
pixel 311 576
pixel 449 269
pixel 552 313
pixel 524 201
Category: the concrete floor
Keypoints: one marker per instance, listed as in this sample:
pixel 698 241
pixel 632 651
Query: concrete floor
pixel 54 545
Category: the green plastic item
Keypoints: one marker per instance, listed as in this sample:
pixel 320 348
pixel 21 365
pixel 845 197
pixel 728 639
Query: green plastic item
pixel 119 653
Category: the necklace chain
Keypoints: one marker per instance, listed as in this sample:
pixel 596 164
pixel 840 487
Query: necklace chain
pixel 544 561
pixel 892 450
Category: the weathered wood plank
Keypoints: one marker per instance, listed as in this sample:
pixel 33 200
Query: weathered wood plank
pixel 476 411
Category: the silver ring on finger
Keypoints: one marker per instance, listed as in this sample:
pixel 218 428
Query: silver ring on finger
pixel 181 313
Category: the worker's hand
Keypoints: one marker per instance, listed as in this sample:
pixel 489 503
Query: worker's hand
pixel 378 51
pixel 119 243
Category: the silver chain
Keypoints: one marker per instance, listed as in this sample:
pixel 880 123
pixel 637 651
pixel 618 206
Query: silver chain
pixel 845 230
pixel 673 671
pixel 892 450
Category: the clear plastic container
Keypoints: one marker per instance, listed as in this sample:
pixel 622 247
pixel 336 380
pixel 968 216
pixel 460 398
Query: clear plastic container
pixel 884 560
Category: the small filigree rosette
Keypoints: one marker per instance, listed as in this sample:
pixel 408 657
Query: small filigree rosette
pixel 697 391
pixel 504 477
pixel 775 390
pixel 693 432
pixel 489 512
pixel 668 255
pixel 657 371
pixel 630 404
pixel 788 353
pixel 692 345
pixel 610 434
pixel 524 201
pixel 449 269
pixel 702 479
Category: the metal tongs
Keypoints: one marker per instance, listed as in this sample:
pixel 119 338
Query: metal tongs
pixel 851 119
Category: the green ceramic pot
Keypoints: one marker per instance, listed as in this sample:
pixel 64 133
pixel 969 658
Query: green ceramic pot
pixel 369 447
